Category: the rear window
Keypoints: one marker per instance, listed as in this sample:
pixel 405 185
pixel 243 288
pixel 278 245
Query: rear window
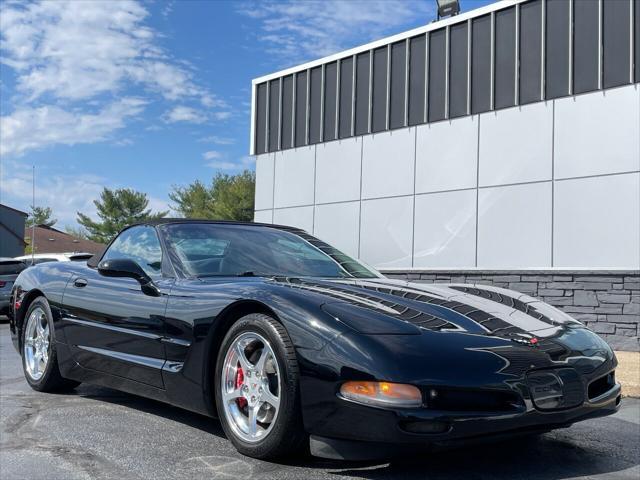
pixel 11 267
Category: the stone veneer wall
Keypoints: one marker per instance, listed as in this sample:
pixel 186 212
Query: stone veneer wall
pixel 608 302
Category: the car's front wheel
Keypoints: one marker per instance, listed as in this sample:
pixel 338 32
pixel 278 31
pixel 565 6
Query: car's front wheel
pixel 256 385
pixel 39 359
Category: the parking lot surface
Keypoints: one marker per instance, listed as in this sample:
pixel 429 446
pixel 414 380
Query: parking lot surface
pixel 98 433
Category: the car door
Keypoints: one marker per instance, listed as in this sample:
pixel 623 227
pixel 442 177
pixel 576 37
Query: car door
pixel 111 325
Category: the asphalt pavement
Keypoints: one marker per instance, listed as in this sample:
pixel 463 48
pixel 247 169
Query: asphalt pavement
pixel 98 433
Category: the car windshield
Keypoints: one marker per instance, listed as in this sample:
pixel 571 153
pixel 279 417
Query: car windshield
pixel 205 250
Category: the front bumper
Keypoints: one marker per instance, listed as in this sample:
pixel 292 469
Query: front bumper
pixel 357 432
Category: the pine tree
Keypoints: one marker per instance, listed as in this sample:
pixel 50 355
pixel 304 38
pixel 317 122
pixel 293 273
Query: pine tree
pixel 117 209
pixel 40 216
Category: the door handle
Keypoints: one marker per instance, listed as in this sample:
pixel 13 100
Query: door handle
pixel 80 282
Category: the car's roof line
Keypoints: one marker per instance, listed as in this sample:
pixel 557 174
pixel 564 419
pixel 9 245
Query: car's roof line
pixel 166 221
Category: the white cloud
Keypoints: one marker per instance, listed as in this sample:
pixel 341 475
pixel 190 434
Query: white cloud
pixel 73 62
pixel 217 140
pixel 296 31
pixel 184 114
pixel 246 162
pixel 221 115
pixel 31 128
pixel 212 154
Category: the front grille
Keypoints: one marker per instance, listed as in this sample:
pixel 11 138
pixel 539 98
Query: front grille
pixel 601 385
pixel 472 400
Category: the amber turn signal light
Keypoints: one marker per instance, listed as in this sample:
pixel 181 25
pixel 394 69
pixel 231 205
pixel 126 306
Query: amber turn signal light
pixel 382 394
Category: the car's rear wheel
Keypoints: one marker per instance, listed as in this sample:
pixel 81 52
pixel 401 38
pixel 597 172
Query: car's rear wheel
pixel 39 359
pixel 256 386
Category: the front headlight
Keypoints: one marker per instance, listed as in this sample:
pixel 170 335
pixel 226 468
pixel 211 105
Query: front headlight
pixel 382 394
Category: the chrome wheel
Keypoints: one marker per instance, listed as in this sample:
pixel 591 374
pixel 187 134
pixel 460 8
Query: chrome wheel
pixel 36 344
pixel 250 387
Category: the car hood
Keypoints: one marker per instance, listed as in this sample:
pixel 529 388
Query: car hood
pixel 385 306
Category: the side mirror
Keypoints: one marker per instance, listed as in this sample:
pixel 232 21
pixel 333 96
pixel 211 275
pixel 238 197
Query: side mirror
pixel 125 267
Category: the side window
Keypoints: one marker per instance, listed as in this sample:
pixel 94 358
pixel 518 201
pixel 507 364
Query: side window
pixel 140 244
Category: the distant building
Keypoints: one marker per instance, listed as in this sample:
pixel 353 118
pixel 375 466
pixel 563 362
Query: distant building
pixel 51 240
pixel 11 231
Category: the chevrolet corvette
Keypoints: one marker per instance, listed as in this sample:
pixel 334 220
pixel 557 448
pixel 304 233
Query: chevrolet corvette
pixel 296 347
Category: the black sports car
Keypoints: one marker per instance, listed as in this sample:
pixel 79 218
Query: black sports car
pixel 294 345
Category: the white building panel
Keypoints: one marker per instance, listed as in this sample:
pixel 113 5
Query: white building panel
pixel 445 230
pixel 294 182
pixel 387 163
pixel 263 216
pixel 264 181
pixel 338 166
pixel 386 231
pixel 446 155
pixel 597 222
pixel 514 226
pixel 301 217
pixel 338 225
pixel 515 144
pixel 598 133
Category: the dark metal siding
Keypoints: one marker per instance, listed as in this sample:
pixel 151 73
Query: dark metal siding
pixel 346 97
pixel 615 42
pixel 481 64
pixel 398 84
pixel 437 75
pixel 458 74
pixel 505 58
pixel 330 92
pixel 530 51
pixel 301 109
pixel 261 118
pixel 557 48
pixel 585 46
pixel 315 108
pixel 287 112
pixel 379 95
pixel 417 72
pixel 274 114
pixel 362 93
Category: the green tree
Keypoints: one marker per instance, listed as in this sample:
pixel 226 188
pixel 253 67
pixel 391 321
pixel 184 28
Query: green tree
pixel 117 209
pixel 229 197
pixel 40 216
pixel 76 232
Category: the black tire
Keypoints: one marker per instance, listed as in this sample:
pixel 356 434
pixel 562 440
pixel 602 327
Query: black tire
pixel 51 380
pixel 287 436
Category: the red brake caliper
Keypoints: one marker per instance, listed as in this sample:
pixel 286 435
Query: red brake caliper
pixel 242 402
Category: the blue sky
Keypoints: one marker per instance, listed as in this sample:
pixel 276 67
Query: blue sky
pixel 151 94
